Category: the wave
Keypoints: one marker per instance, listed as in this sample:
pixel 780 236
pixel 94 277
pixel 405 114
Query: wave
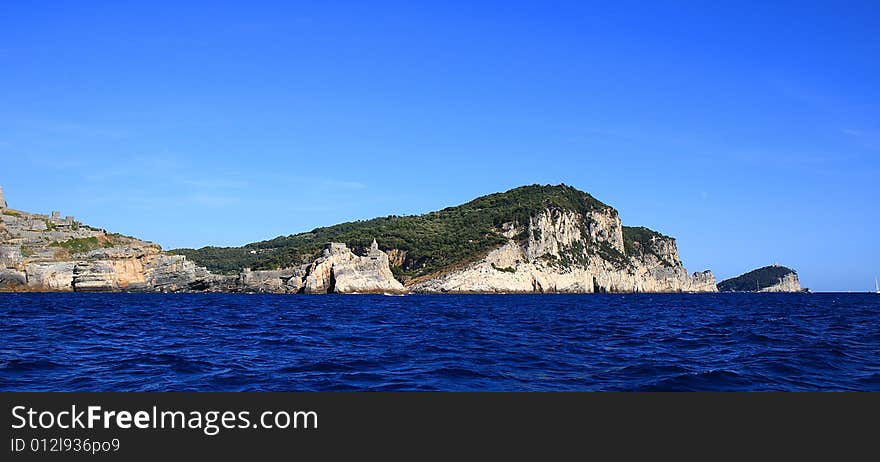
pixel 675 342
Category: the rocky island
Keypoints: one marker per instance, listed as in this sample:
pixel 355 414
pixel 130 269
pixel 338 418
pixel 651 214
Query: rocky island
pixel 531 239
pixel 773 278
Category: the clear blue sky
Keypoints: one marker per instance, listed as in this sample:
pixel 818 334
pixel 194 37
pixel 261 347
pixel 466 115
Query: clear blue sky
pixel 751 132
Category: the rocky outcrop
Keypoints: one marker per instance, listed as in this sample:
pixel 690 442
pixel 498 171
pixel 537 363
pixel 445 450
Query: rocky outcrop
pixel 11 279
pixel 567 252
pixel 773 278
pixel 703 281
pixel 111 269
pixel 338 270
pixel 39 256
pixel 171 273
pixel 788 283
pixel 10 256
pixel 52 276
pixel 132 269
pixel 47 253
pixel 50 253
pixel 575 245
pixel 277 281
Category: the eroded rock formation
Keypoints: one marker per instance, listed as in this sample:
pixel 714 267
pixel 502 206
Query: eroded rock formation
pixel 336 270
pixel 567 252
pixel 575 249
pixel 341 271
pixel 788 283
pixel 48 253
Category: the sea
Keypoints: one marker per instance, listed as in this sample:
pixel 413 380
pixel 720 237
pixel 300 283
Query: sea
pixel 585 342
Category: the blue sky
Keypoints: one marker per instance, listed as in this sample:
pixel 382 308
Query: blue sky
pixel 750 132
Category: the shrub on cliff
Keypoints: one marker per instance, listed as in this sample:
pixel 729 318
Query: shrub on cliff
pixel 755 280
pixel 433 241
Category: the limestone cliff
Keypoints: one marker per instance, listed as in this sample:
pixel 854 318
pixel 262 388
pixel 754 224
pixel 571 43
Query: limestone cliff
pixel 336 270
pixel 50 253
pixel 788 283
pixel 341 271
pixel 565 251
pixel 530 239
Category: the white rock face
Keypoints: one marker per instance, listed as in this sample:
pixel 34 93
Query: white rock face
pixel 53 276
pixel 129 265
pixel 47 253
pixel 703 281
pixel 101 275
pixel 128 270
pixel 556 251
pixel 788 283
pixel 566 252
pixel 10 256
pixel 338 270
pixel 170 273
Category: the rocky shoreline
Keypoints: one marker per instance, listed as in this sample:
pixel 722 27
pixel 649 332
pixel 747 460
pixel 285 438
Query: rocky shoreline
pixel 564 251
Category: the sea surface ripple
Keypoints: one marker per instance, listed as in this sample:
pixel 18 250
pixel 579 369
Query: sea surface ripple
pixel 620 342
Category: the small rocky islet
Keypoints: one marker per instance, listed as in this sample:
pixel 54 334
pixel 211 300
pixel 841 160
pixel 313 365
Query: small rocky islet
pixel 531 239
pixel 772 278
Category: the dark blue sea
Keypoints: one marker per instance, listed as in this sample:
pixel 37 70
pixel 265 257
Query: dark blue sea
pixel 242 342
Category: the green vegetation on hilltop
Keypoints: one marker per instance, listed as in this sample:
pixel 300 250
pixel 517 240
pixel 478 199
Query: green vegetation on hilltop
pixel 224 260
pixel 432 241
pixel 437 240
pixel 639 240
pixel 755 280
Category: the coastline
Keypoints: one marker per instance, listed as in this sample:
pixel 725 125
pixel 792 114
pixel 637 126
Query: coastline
pixel 530 239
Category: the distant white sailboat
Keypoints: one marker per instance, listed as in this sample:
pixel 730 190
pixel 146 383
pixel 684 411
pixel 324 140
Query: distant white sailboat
pixel 876 286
